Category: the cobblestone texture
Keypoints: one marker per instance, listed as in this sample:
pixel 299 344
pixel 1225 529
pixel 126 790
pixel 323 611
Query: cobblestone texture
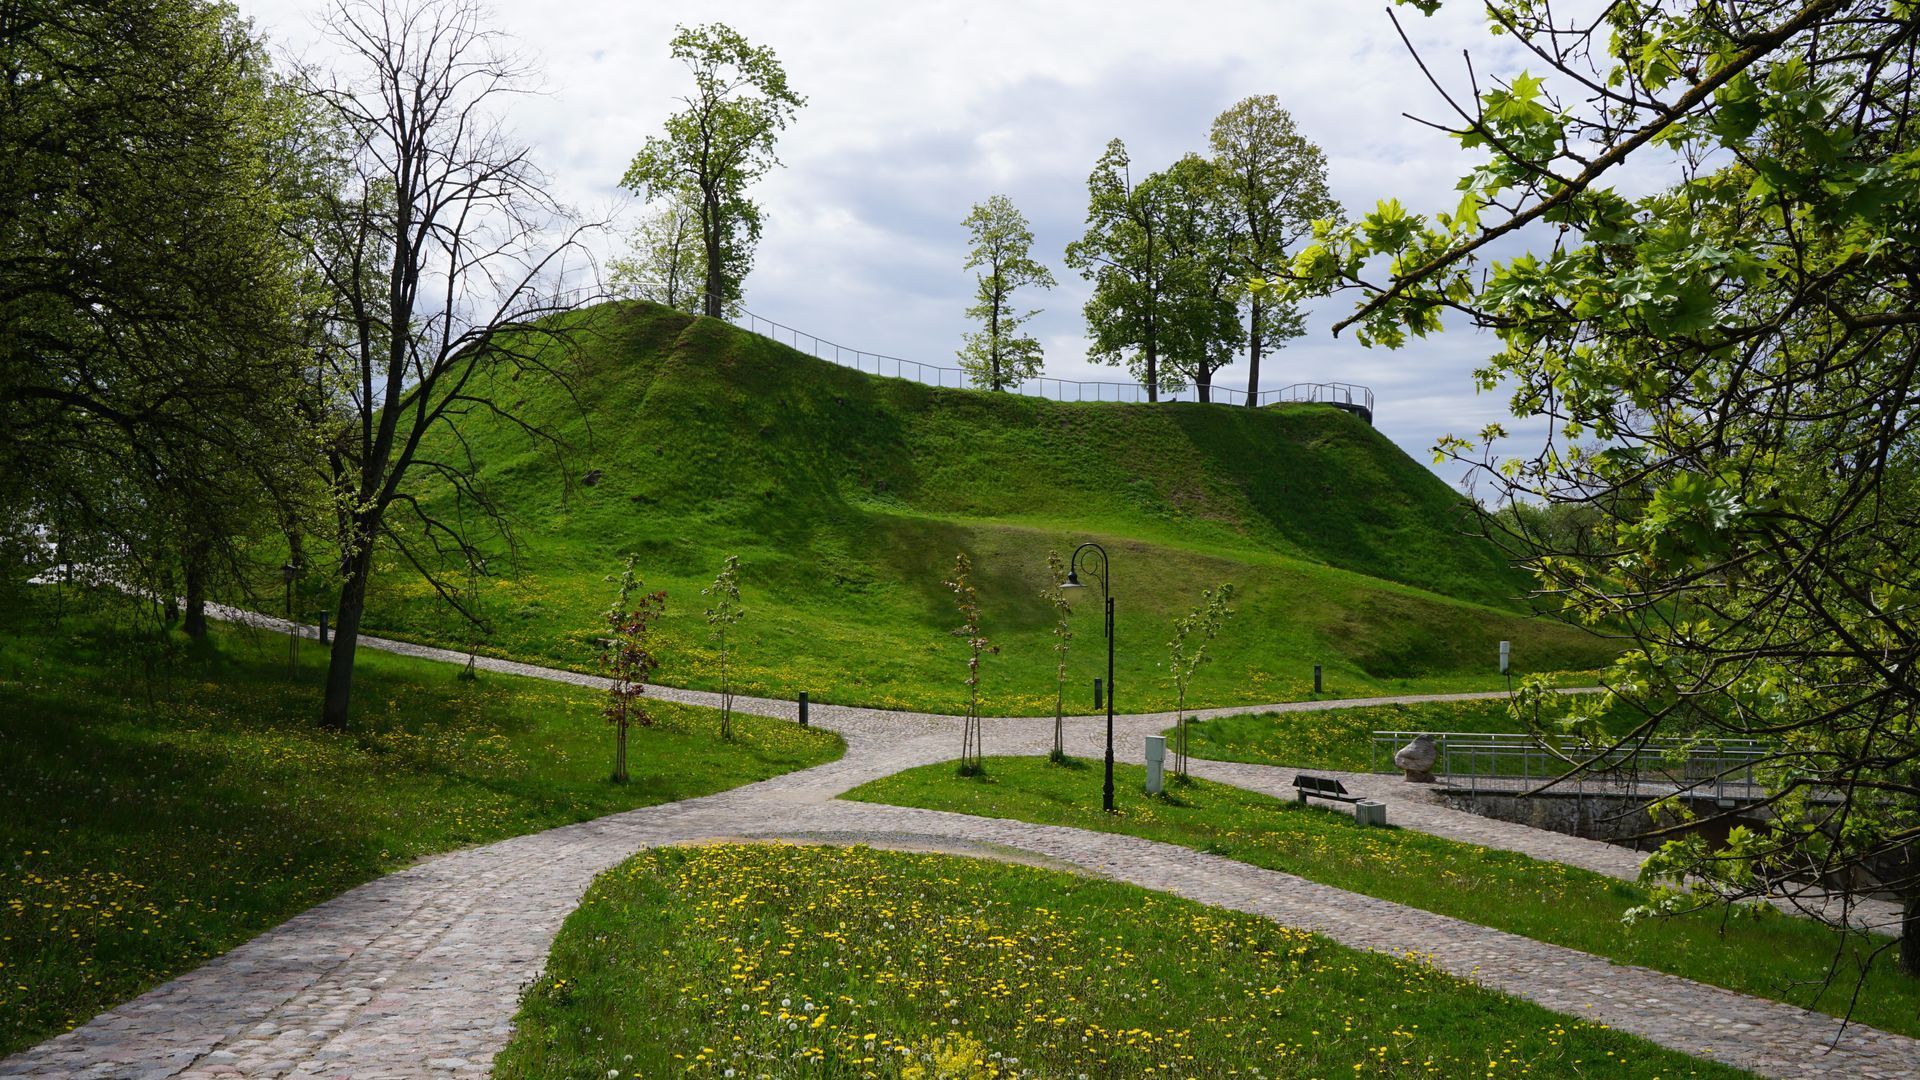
pixel 417 974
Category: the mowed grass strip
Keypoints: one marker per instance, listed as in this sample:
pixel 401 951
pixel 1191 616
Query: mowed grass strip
pixel 1342 739
pixel 165 803
pixel 1755 950
pixel 774 961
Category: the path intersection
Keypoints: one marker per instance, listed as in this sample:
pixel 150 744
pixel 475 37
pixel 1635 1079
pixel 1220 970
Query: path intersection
pixel 417 974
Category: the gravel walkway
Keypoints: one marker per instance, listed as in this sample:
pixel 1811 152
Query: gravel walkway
pixel 417 973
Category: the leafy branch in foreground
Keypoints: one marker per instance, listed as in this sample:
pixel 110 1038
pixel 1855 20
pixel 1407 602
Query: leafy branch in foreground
pixel 1727 370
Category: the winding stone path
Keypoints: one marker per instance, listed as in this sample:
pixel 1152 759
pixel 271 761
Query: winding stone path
pixel 417 973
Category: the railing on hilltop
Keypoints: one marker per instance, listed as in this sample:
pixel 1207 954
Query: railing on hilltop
pixel 1347 396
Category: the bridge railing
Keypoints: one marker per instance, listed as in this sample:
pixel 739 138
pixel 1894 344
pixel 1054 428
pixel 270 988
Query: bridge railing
pixel 1350 396
pixel 1505 762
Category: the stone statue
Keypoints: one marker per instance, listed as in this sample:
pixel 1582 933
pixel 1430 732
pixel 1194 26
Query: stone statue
pixel 1416 759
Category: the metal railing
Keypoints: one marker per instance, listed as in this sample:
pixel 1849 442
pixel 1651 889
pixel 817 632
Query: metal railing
pixel 1349 396
pixel 1507 763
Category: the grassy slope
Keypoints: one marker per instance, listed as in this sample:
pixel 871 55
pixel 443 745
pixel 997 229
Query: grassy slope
pixel 847 496
pixel 1765 952
pixel 849 963
pixel 157 817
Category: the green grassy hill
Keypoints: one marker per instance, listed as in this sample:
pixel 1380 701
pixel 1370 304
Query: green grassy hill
pixel 846 497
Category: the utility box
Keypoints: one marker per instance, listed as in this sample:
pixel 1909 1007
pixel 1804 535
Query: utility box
pixel 1370 812
pixel 1156 763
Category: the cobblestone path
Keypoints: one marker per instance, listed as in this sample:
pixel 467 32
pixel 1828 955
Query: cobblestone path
pixel 417 974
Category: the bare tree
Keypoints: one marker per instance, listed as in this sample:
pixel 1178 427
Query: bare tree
pixel 444 253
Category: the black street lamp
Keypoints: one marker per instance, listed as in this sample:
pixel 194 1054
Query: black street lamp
pixel 1106 594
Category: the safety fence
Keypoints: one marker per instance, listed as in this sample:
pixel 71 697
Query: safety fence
pixel 1350 397
pixel 1497 762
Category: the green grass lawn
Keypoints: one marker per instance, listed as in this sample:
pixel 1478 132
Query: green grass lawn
pixel 165 802
pixel 1759 951
pixel 789 961
pixel 1342 738
pixel 847 496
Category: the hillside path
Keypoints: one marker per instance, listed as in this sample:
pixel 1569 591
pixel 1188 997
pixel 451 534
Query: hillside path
pixel 417 974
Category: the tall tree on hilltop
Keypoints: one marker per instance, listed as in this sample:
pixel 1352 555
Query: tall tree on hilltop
pixel 666 260
pixel 719 144
pixel 1727 369
pixel 1148 253
pixel 1275 181
pixel 1204 332
pixel 438 245
pixel 998 355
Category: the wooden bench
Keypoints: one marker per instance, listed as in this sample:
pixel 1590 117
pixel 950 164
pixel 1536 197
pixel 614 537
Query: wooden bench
pixel 1321 787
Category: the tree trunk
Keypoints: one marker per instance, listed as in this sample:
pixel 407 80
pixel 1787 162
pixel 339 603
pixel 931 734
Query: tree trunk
pixel 710 236
pixel 620 753
pixel 346 638
pixel 196 573
pixel 1908 962
pixel 993 336
pixel 1253 356
pixel 1203 385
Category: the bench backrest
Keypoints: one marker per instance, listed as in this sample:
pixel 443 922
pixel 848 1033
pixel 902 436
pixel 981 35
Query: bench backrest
pixel 1325 785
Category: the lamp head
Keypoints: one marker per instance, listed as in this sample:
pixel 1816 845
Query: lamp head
pixel 1073 580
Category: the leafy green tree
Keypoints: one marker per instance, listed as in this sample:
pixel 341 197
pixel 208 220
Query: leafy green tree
pixel 723 612
pixel 1727 365
pixel 628 658
pixel 666 259
pixel 998 355
pixel 972 761
pixel 719 145
pixel 1274 181
pixel 147 369
pixel 1155 256
pixel 1205 331
pixel 1187 652
pixel 1056 597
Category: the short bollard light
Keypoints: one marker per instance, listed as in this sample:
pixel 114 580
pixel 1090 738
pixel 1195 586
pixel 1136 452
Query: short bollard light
pixel 1316 678
pixel 323 628
pixel 803 708
pixel 1156 763
pixel 1099 697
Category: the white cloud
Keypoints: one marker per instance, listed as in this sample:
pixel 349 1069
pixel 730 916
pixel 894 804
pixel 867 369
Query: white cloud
pixel 918 110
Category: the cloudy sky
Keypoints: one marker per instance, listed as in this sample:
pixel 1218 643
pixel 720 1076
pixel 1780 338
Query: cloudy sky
pixel 918 110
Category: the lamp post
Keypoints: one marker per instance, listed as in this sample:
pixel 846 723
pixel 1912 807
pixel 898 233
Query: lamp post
pixel 1106 594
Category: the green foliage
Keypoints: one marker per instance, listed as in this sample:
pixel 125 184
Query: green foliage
pixel 1724 363
pixel 1164 300
pixel 627 656
pixel 1753 949
pixel 150 378
pixel 1274 183
pixel 845 497
pixel 1187 652
pixel 967 599
pixel 717 146
pixel 666 260
pixel 998 356
pixel 723 613
pixel 169 799
pixel 854 962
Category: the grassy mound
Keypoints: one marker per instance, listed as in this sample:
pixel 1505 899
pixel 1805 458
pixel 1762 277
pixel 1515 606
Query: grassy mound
pixel 847 496
pixel 1759 951
pixel 848 963
pixel 166 802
